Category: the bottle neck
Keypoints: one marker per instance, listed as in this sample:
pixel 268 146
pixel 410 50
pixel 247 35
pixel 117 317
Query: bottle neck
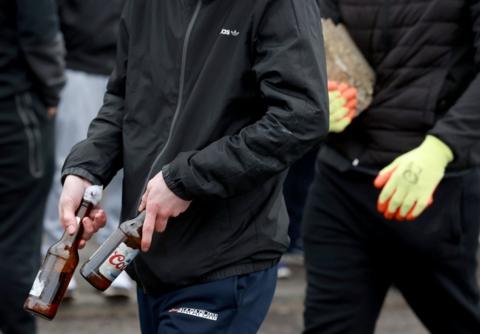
pixel 72 241
pixel 133 230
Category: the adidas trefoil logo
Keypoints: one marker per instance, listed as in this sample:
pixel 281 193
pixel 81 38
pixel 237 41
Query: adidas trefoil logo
pixel 228 32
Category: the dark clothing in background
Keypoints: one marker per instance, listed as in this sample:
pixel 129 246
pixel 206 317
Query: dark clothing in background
pixel 222 97
pixel 78 25
pixel 31 77
pixel 426 55
pixel 353 255
pixel 31 50
pixel 26 170
pixel 295 189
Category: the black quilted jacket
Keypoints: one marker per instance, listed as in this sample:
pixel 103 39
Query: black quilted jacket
pixel 427 58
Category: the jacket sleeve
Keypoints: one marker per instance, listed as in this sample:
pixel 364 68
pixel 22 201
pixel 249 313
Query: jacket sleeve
pixel 460 126
pixel 291 75
pixel 42 45
pixel 99 157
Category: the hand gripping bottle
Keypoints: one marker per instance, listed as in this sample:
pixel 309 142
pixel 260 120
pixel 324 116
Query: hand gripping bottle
pixel 115 254
pixel 59 265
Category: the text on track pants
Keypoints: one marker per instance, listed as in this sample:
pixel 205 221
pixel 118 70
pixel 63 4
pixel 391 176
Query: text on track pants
pixel 234 305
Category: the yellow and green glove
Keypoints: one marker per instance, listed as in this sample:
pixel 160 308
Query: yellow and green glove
pixel 410 180
pixel 343 105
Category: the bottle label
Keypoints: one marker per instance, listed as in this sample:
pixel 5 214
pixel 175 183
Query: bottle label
pixel 37 287
pixel 117 261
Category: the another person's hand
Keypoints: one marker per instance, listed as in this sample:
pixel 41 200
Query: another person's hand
pixel 70 200
pixel 409 182
pixel 160 204
pixel 51 112
pixel 342 105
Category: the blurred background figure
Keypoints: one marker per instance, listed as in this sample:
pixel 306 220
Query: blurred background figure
pixel 90 32
pixel 31 77
pixel 419 144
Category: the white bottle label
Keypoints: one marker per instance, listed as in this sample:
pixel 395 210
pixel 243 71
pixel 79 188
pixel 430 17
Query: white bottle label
pixel 37 287
pixel 117 261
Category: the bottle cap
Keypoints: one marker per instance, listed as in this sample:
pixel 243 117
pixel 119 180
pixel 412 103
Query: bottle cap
pixel 93 194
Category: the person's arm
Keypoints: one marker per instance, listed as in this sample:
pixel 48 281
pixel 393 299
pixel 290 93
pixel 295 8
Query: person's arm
pixel 99 157
pixel 43 47
pixel 459 128
pixel 291 75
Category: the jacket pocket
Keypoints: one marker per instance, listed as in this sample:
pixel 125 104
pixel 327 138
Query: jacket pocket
pixel 31 125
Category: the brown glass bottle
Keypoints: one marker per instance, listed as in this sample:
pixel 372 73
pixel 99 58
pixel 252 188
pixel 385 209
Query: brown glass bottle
pixel 59 265
pixel 115 254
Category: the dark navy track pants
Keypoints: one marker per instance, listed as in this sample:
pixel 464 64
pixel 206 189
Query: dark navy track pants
pixel 235 305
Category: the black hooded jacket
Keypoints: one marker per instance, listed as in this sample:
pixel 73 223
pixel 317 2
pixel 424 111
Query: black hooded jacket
pixel 427 58
pixel 222 96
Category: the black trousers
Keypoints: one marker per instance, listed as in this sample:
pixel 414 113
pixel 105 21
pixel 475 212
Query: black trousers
pixel 26 166
pixel 353 255
pixel 295 190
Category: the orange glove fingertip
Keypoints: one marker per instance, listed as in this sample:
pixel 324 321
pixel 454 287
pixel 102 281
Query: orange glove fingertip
pixel 383 178
pixel 332 85
pixel 382 207
pixel 410 216
pixel 350 93
pixel 342 87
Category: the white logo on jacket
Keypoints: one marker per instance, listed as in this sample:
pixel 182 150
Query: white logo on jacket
pixel 195 313
pixel 228 32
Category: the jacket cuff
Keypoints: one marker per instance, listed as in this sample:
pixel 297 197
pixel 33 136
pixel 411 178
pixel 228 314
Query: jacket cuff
pixel 174 183
pixel 81 173
pixel 47 63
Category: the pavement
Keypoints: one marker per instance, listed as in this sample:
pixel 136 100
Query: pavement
pixel 91 312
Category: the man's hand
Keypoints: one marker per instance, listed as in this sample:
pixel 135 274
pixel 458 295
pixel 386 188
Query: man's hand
pixel 410 181
pixel 51 112
pixel 342 104
pixel 70 199
pixel 161 204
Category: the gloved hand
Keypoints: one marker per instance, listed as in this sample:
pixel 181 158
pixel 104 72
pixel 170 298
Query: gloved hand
pixel 343 105
pixel 410 180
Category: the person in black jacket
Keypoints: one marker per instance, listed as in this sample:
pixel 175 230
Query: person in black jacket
pixel 208 105
pixel 419 143
pixel 31 77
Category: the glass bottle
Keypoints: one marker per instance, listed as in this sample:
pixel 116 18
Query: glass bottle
pixel 59 265
pixel 115 254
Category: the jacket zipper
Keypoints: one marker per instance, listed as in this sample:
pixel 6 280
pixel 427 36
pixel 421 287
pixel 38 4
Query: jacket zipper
pixel 179 102
pixel 186 42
